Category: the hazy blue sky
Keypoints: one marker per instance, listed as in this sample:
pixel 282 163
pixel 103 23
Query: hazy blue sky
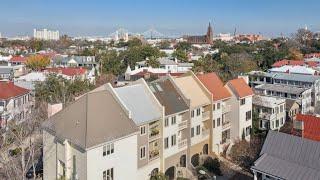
pixel 172 17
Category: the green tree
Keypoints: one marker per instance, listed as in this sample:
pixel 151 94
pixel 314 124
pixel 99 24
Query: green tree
pixel 112 63
pixel 164 44
pixel 184 46
pixel 180 55
pixel 153 62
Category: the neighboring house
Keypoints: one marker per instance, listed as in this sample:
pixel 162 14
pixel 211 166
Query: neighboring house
pixel 29 80
pixel 18 60
pixel 292 109
pixel 70 73
pixel 147 73
pixel 295 70
pixel 241 108
pixel 221 111
pixel 301 95
pixel 93 138
pixel 291 80
pixel 176 130
pixel 307 126
pixel 201 114
pixel 6 73
pixel 15 103
pixel 171 65
pixel 285 156
pixel 75 61
pixel 270 110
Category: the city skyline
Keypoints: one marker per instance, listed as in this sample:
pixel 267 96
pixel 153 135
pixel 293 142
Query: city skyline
pixel 99 18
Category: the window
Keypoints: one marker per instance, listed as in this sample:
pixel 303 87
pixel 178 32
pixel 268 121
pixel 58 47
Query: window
pixel 110 174
pixel 214 107
pixel 243 101
pixel 173 120
pixel 192 113
pixel 281 121
pixel 277 123
pixel 142 130
pixel 143 152
pixel 173 140
pixel 198 129
pixel 218 122
pixel 110 149
pixel 166 143
pixel 104 151
pixel 213 123
pixel 248 130
pixel 198 112
pixel 218 106
pixel 104 175
pixel 281 108
pixel 248 115
pixel 166 122
pixel 192 132
pixel 272 124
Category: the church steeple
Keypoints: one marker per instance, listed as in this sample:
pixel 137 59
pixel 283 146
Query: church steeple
pixel 209 37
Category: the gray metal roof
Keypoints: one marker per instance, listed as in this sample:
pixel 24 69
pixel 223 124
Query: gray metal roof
pixel 294 77
pixel 139 102
pixel 289 157
pixel 281 88
pixel 93 119
pixel 168 96
pixel 6 70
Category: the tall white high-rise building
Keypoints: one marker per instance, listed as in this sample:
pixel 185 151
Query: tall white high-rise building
pixel 46 34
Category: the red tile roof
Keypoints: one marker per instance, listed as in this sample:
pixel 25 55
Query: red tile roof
pixel 311 126
pixel 288 62
pixel 312 63
pixel 8 90
pixel 18 59
pixel 240 87
pixel 214 84
pixel 68 71
pixel 311 55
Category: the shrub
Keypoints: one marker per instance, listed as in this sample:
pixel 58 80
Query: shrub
pixel 213 166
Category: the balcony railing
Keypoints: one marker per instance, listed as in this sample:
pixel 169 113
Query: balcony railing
pixel 153 154
pixel 182 143
pixel 183 124
pixel 206 115
pixel 226 124
pixel 154 133
pixel 205 132
pixel 226 108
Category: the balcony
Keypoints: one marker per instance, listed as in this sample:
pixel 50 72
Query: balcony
pixel 226 124
pixel 267 116
pixel 182 143
pixel 205 115
pixel 154 133
pixel 183 124
pixel 226 108
pixel 205 133
pixel 154 154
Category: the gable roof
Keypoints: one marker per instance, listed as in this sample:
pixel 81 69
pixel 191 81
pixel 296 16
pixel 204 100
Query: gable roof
pixel 139 102
pixel 18 59
pixel 192 90
pixel 289 157
pixel 94 118
pixel 214 84
pixel 240 87
pixel 288 62
pixel 311 126
pixel 168 96
pixel 8 90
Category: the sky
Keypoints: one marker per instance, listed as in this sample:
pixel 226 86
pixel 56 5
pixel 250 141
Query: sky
pixel 170 17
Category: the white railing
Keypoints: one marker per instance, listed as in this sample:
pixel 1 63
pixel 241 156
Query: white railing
pixel 226 108
pixel 205 115
pixel 182 143
pixel 183 124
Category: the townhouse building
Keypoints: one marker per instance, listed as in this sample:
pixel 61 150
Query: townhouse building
pixel 147 113
pixel 221 108
pixel 167 125
pixel 175 128
pixel 241 108
pixel 15 103
pixel 93 138
pixel 271 112
pixel 301 95
pixel 200 115
pixel 289 79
